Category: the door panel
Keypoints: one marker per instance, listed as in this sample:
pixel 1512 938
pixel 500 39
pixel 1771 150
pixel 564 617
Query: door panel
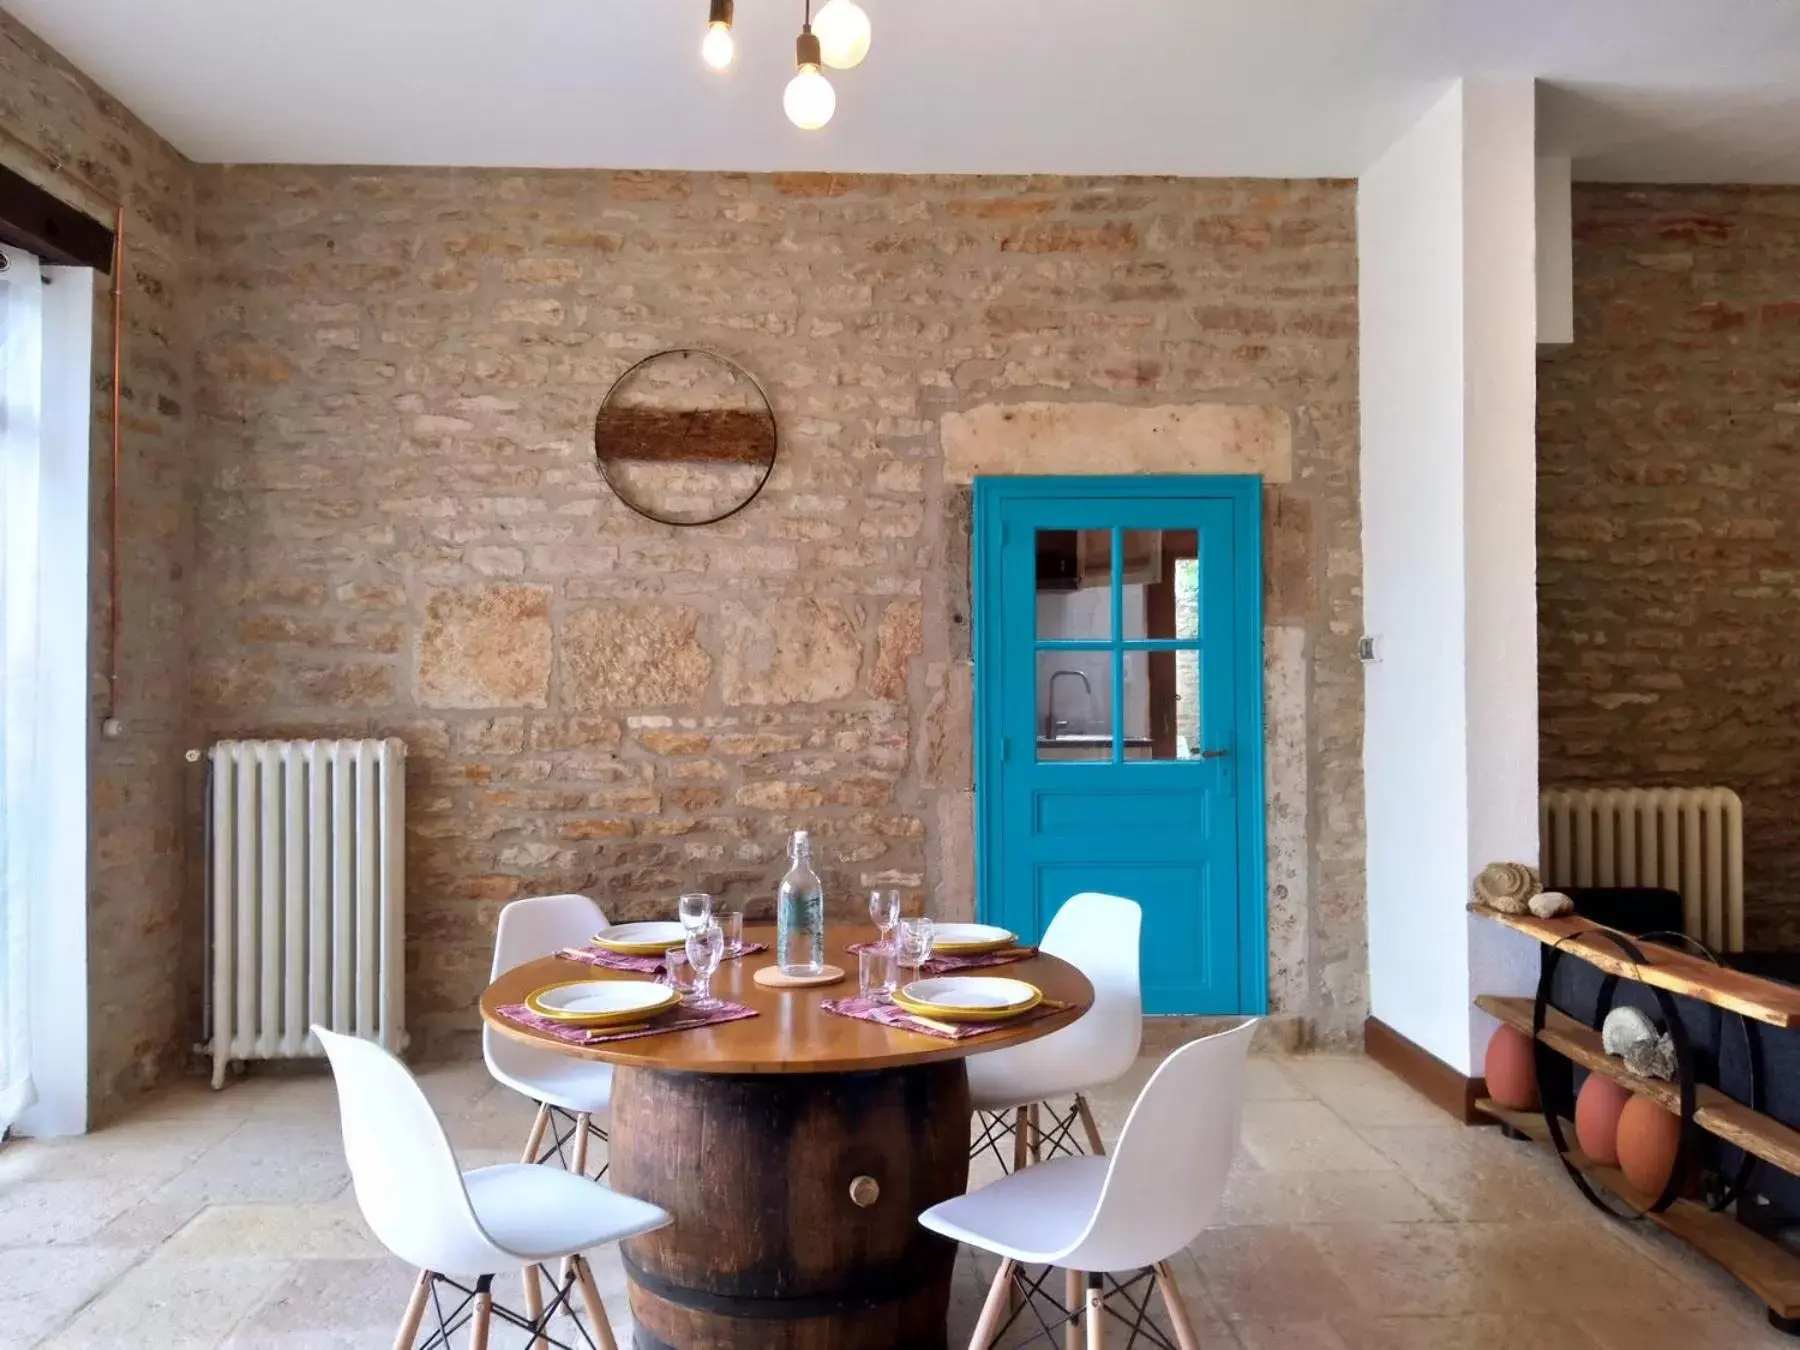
pixel 1118 682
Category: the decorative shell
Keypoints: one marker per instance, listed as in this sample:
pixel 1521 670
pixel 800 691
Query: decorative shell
pixel 1549 904
pixel 1654 1058
pixel 1624 1028
pixel 1507 887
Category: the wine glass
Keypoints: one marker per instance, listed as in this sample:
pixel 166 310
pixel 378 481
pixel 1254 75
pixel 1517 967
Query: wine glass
pixel 884 909
pixel 705 949
pixel 695 909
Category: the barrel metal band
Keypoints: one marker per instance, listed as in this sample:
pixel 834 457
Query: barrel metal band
pixel 888 1283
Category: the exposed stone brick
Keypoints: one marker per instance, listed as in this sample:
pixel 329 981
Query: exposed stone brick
pixel 487 647
pixel 1669 515
pixel 899 639
pixel 789 651
pixel 632 656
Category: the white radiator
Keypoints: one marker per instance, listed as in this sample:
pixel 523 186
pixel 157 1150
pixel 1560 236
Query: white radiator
pixel 306 885
pixel 1680 839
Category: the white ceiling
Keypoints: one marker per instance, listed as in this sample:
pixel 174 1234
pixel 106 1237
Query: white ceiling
pixel 1671 90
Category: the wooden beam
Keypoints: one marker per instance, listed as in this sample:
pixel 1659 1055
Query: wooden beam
pixel 1424 1072
pixel 1714 1111
pixel 1770 1271
pixel 49 228
pixel 692 436
pixel 1664 968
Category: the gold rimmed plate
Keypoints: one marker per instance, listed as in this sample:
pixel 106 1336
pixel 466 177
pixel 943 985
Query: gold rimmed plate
pixel 602 1003
pixel 641 939
pixel 968 998
pixel 969 939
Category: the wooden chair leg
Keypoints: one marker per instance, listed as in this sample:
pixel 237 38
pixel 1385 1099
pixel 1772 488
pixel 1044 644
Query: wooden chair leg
pixel 482 1316
pixel 1178 1313
pixel 578 1161
pixel 1072 1295
pixel 1095 1147
pixel 415 1312
pixel 988 1325
pixel 1021 1140
pixel 534 1303
pixel 1096 1313
pixel 596 1310
pixel 1037 1134
pixel 535 1139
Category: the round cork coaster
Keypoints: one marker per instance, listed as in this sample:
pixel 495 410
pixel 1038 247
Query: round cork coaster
pixel 771 977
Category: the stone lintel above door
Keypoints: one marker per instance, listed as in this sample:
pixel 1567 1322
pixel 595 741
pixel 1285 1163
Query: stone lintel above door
pixel 1064 438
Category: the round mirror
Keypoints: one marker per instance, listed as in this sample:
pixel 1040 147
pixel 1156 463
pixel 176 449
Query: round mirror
pixel 685 437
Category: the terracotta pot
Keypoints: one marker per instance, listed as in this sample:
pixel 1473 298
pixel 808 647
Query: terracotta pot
pixel 1510 1070
pixel 1597 1111
pixel 1649 1142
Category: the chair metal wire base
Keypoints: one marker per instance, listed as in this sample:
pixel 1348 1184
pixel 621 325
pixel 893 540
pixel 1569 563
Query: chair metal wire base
pixel 463 1312
pixel 561 1146
pixel 1042 1142
pixel 1053 1316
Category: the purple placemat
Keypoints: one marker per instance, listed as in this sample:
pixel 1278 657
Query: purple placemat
pixel 892 1015
pixel 642 965
pixel 949 965
pixel 682 1019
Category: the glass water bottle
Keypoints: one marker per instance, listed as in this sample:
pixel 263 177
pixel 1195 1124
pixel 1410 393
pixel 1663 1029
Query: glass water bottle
pixel 800 913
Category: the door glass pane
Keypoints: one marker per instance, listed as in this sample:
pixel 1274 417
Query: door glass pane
pixel 1162 705
pixel 1074 701
pixel 1164 566
pixel 1074 584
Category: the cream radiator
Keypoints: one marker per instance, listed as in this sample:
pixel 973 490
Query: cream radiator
pixel 305 888
pixel 1681 839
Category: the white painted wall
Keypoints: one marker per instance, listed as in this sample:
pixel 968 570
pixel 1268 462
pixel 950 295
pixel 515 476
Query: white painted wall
pixel 1409 231
pixel 1555 252
pixel 1445 224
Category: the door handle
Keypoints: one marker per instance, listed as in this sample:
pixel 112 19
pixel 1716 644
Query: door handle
pixel 1214 754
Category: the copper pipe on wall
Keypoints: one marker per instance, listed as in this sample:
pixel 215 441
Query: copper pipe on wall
pixel 114 607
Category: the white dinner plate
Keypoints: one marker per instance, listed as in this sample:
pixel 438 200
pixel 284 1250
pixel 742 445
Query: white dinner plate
pixel 641 939
pixel 969 998
pixel 602 1001
pixel 965 939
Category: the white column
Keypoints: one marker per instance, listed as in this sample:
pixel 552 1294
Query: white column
pixel 1448 315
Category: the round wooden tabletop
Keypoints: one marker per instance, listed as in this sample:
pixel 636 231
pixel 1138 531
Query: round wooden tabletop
pixel 793 1034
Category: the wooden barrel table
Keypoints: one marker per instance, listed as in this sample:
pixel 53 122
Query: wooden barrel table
pixel 795 1151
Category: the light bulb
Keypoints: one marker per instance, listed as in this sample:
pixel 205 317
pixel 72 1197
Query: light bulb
pixel 717 47
pixel 810 100
pixel 844 33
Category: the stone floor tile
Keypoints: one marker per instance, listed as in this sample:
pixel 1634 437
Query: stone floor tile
pixel 45 1213
pixel 1482 1331
pixel 1633 1330
pixel 42 1287
pixel 1256 1197
pixel 1476 1174
pixel 1273 1273
pixel 1363 1093
pixel 171 1304
pixel 287 1232
pixel 1306 1136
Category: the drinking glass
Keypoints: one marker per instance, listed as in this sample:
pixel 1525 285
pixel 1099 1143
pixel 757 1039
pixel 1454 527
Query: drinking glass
pixel 915 942
pixel 705 948
pixel 884 909
pixel 677 973
pixel 875 972
pixel 731 922
pixel 696 910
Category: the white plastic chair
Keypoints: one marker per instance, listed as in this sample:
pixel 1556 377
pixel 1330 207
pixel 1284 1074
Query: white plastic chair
pixel 573 1096
pixel 460 1228
pixel 1011 1089
pixel 1129 1212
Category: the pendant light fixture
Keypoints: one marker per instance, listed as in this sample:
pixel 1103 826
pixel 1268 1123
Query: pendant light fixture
pixel 844 33
pixel 840 40
pixel 717 47
pixel 810 100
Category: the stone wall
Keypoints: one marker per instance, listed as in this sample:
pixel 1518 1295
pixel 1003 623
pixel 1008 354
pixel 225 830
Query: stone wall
pixel 143 953
pixel 1669 514
pixel 403 530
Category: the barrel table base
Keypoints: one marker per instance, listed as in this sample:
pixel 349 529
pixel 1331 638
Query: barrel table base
pixel 795 1200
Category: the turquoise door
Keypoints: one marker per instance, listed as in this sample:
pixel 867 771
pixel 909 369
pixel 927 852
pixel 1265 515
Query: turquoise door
pixel 1118 682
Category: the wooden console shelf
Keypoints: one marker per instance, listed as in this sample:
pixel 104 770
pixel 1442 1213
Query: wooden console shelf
pixel 1714 1112
pixel 1667 968
pixel 1769 1270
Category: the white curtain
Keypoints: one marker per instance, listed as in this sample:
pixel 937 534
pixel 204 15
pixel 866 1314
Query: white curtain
pixel 21 397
